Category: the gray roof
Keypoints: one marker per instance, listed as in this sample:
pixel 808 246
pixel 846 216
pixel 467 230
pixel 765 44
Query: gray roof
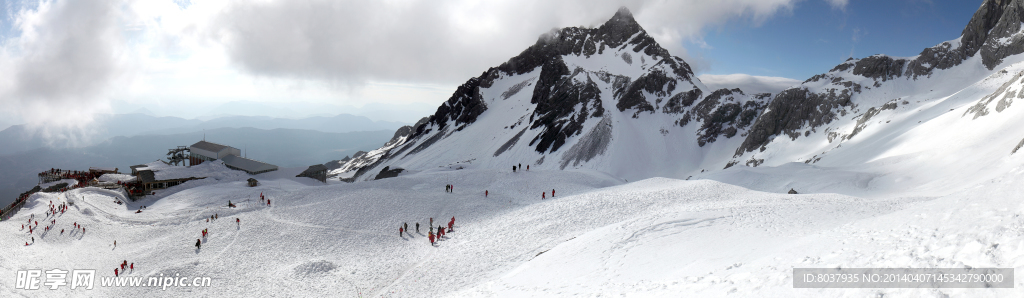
pixel 247 165
pixel 147 176
pixel 313 169
pixel 208 146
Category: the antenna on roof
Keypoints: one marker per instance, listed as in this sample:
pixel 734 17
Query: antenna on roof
pixel 204 135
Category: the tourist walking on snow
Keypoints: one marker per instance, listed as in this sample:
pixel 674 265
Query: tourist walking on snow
pixel 417 228
pixel 198 243
pixel 400 232
pixel 552 192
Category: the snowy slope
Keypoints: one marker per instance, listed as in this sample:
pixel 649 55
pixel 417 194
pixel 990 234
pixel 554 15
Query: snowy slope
pixel 598 236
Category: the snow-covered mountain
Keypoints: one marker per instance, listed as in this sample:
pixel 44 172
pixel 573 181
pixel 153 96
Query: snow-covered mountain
pixel 611 99
pixel 607 98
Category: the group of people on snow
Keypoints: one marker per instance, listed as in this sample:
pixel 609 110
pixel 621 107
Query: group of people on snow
pixel 441 231
pixel 431 234
pixel 124 268
pixel 53 209
pixel 520 168
pixel 543 194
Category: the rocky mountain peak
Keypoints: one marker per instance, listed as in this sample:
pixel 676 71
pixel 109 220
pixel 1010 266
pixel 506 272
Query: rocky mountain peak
pixel 994 31
pixel 621 24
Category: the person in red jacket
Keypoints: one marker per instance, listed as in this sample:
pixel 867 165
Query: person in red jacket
pixel 400 232
pixel 430 235
pixel 115 272
pixel 552 192
pixel 543 194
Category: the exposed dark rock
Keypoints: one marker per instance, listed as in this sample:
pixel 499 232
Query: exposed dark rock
pixel 463 106
pixel 792 191
pixel 817 77
pixel 863 122
pixel 656 83
pixel 627 58
pixel 879 67
pixel 681 100
pixel 1018 146
pixel 722 114
pixel 515 89
pixel 992 33
pixel 588 41
pixel 729 165
pixel 790 111
pixel 713 125
pixel 556 109
pixel 995 21
pixel 841 67
pixel 981 107
pixel 387 172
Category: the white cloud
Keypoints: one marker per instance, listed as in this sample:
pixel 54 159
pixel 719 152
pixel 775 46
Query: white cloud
pixel 838 4
pixel 748 83
pixel 69 59
pixel 350 42
pixel 58 68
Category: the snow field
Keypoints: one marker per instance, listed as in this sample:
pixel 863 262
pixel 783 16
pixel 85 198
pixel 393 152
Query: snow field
pixel 598 237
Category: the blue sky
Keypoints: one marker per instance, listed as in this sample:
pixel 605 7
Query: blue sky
pixel 815 37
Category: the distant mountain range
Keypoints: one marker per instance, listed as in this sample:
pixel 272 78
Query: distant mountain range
pixel 20 138
pixel 395 112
